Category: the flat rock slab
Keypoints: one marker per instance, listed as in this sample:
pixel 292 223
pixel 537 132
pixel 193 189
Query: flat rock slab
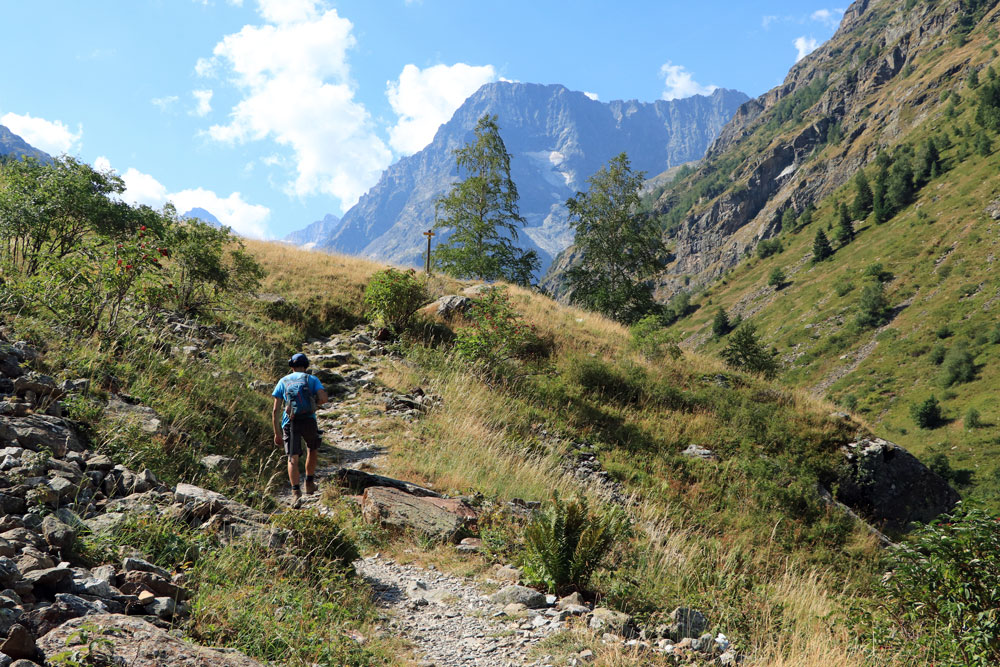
pixel 398 509
pixel 138 644
pixel 358 481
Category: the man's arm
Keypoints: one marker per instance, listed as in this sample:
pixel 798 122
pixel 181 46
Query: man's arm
pixel 276 420
pixel 322 397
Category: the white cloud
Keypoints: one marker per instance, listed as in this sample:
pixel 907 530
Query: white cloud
pixel 828 17
pixel 246 219
pixel 165 103
pixel 102 164
pixel 52 136
pixel 592 96
pixel 424 99
pixel 297 91
pixel 805 46
pixel 680 83
pixel 204 100
pixel 289 11
pixel 204 67
pixel 766 21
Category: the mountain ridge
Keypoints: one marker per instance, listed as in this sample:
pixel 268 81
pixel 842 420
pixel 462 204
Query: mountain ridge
pixel 557 139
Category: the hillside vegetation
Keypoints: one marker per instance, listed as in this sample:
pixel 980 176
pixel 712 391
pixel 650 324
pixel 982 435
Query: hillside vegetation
pixel 906 306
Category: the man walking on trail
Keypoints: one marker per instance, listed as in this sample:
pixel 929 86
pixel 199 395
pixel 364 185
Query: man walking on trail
pixel 296 397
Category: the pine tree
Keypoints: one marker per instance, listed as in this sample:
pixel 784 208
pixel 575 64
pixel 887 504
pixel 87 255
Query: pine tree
pixel 619 246
pixel 899 187
pixel 928 161
pixel 807 216
pixel 777 278
pixel 482 212
pixel 873 307
pixel 720 324
pixel 821 246
pixel 862 205
pixel 845 228
pixel 983 144
pixel 880 207
pixel 746 352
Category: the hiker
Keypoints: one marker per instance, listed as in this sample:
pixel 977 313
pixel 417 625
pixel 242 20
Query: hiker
pixel 296 397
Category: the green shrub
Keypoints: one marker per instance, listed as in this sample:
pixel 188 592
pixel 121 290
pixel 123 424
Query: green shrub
pixel 945 583
pixel 315 536
pixel 873 307
pixel 768 247
pixel 842 286
pixel 995 335
pixel 746 352
pixel 877 272
pixel 393 296
pixel 497 335
pixel 606 381
pixel 652 340
pixel 959 365
pixel 927 414
pixel 566 542
pixel 777 278
pixel 944 331
pixel 973 419
pixel 937 353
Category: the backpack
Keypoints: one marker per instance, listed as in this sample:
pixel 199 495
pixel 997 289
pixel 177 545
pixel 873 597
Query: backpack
pixel 299 399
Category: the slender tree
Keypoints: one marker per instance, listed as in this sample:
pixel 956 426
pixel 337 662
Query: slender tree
pixel 821 246
pixel 482 213
pixel 845 228
pixel 862 204
pixel 620 247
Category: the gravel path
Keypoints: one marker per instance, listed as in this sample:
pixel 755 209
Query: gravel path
pixel 448 619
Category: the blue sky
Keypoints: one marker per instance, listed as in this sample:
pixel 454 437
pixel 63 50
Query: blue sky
pixel 272 113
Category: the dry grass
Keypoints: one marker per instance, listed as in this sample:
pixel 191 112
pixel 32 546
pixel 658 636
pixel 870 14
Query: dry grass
pixel 486 441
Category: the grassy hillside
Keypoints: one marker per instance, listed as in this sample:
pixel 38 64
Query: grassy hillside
pixel 940 251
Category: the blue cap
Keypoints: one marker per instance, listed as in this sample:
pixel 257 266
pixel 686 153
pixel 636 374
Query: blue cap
pixel 299 361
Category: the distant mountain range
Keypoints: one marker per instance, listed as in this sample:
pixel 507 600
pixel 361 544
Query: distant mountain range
pixel 13 145
pixel 557 139
pixel 315 233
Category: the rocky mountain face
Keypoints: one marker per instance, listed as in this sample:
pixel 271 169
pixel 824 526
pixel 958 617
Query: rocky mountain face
pixel 14 146
pixel 777 152
pixel 315 233
pixel 557 138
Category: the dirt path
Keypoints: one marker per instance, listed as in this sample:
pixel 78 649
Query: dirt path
pixel 448 619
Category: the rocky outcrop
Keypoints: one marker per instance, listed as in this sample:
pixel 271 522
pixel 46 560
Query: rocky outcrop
pixel 437 518
pixel 890 487
pixel 113 639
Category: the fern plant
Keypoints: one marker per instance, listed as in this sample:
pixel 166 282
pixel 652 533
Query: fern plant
pixel 565 543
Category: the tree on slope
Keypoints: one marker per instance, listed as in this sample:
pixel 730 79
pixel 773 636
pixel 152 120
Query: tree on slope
pixel 845 228
pixel 821 246
pixel 620 247
pixel 863 198
pixel 481 210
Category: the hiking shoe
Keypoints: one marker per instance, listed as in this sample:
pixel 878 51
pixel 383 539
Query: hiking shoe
pixel 296 499
pixel 310 486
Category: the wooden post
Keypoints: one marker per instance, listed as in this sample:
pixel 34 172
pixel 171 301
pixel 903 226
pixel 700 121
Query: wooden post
pixel 427 260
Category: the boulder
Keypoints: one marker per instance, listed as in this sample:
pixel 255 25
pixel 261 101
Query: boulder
pixel 137 643
pixel 612 621
pixel 42 432
pixel 227 468
pixel 529 597
pixel 687 623
pixel 20 644
pixel 39 385
pixel 890 487
pixel 146 418
pixel 398 509
pixel 57 534
pixel 451 305
pixel 697 452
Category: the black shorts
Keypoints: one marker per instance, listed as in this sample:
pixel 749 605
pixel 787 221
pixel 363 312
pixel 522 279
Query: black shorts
pixel 297 430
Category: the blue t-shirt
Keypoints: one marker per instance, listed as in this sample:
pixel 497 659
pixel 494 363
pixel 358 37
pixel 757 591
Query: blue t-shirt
pixel 279 392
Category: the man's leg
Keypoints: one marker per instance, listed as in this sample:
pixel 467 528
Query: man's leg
pixel 293 469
